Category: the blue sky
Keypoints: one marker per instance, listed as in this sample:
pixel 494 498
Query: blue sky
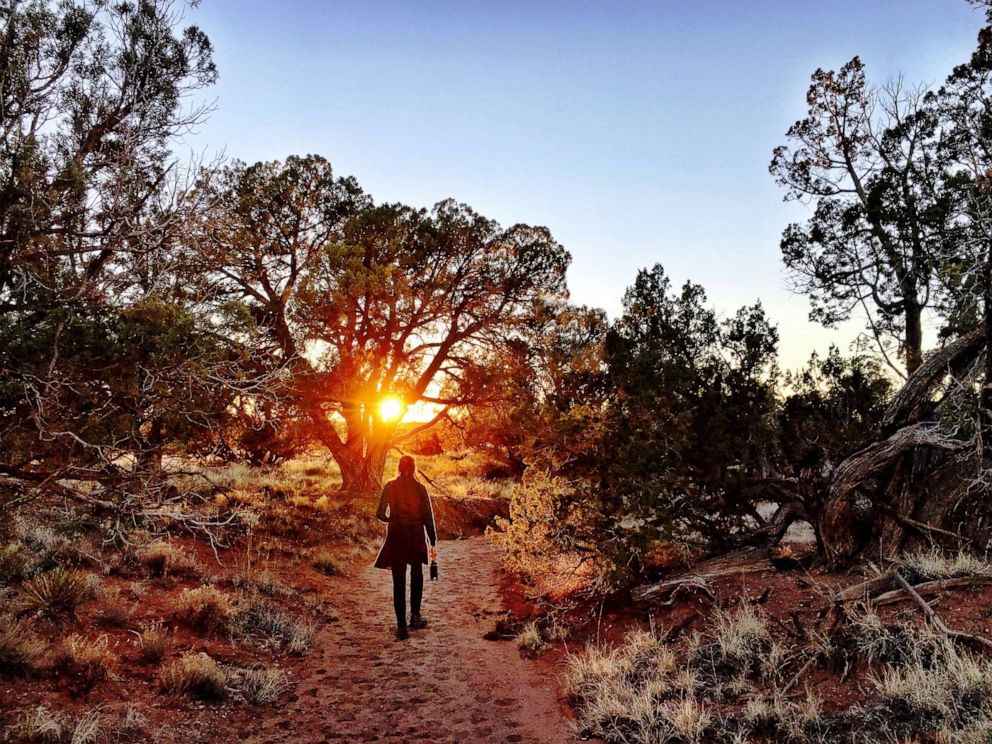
pixel 639 132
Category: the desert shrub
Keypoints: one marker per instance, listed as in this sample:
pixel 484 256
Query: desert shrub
pixel 86 662
pixel 261 686
pixel 162 559
pixel 205 608
pixel 326 562
pixel 55 594
pixel 260 619
pixel 48 548
pixel 153 643
pixel 194 674
pixel 548 532
pixel 264 582
pixel 20 649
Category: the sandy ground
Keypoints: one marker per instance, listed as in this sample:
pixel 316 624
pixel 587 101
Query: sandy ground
pixel 445 684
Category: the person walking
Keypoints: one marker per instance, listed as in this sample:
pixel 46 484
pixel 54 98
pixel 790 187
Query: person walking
pixel 405 507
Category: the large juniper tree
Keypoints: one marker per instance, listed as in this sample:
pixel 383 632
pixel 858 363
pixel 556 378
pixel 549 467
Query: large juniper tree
pixel 354 301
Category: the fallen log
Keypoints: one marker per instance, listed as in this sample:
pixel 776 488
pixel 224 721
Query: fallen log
pixel 897 595
pixel 935 620
pixel 671 588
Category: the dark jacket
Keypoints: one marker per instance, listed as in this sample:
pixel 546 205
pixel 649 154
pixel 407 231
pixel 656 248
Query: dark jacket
pixel 406 509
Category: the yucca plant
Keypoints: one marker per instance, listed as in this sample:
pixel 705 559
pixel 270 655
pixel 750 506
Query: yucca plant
pixel 55 594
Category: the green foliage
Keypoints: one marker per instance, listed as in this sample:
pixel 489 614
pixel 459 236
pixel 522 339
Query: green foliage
pixel 873 243
pixel 98 347
pixel 691 417
pixel 833 408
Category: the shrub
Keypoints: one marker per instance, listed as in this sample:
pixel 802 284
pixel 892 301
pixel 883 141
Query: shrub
pixel 161 559
pixel 153 643
pixel 262 686
pixel 205 608
pixel 194 674
pixel 55 594
pixel 324 561
pixel 20 649
pixel 258 618
pixel 87 662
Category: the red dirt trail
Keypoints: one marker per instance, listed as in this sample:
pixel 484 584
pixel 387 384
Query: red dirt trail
pixel 445 684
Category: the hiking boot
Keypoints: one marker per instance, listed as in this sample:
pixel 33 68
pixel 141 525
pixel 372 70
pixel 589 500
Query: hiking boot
pixel 417 622
pixel 402 633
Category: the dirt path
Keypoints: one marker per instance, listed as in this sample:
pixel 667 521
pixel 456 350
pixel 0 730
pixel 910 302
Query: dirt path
pixel 445 684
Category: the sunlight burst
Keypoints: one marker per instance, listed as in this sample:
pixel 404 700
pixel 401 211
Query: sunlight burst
pixel 391 408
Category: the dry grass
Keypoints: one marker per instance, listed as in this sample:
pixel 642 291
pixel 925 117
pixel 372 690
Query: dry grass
pixel 645 690
pixel 55 594
pixel 194 674
pixel 41 726
pixel 115 610
pixel 153 643
pixel 529 639
pixel 14 566
pixel 21 650
pixel 204 608
pixel 162 559
pixel 935 565
pixel 259 619
pixel 261 686
pixel 325 561
pixel 264 582
pixel 86 662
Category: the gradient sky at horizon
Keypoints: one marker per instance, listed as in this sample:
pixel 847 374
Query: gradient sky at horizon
pixel 638 132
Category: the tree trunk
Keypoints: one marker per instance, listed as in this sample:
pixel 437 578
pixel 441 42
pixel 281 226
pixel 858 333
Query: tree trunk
pixel 361 468
pixel 914 337
pixel 985 401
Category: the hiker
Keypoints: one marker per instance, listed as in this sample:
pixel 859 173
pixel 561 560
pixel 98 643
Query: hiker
pixel 406 509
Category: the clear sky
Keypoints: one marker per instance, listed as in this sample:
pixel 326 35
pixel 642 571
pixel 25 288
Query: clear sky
pixel 638 132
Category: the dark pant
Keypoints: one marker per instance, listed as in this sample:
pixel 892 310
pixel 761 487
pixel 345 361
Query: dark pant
pixel 399 591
